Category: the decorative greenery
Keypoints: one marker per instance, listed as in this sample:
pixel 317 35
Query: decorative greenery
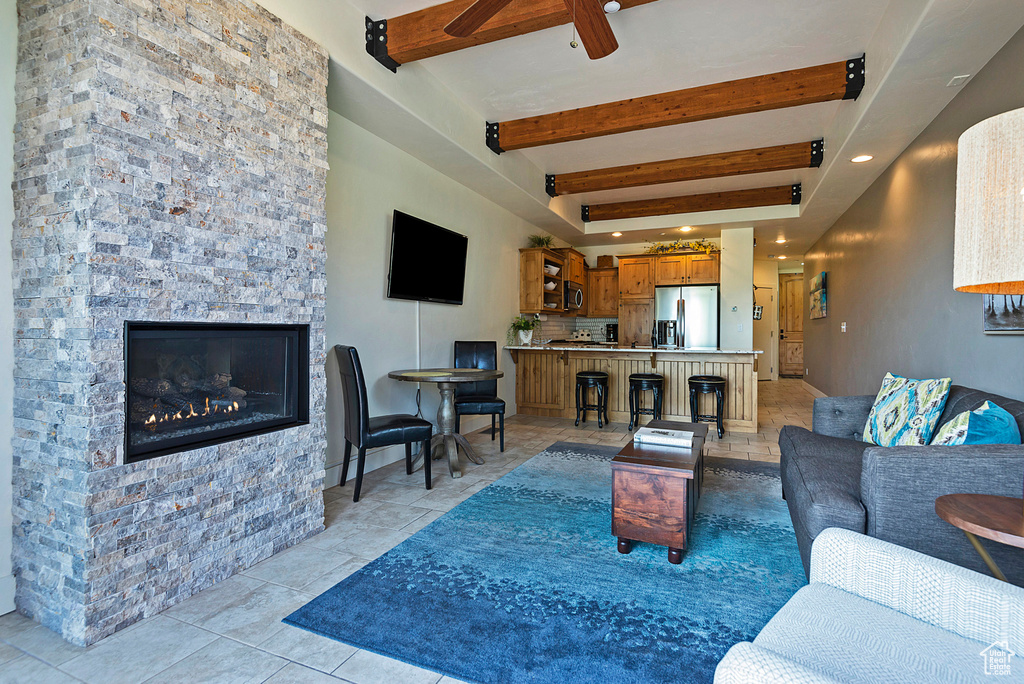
pixel 680 245
pixel 541 241
pixel 521 323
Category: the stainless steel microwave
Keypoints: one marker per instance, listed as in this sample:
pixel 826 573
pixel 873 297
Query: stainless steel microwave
pixel 573 296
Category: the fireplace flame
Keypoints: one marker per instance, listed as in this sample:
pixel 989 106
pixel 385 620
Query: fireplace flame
pixel 190 412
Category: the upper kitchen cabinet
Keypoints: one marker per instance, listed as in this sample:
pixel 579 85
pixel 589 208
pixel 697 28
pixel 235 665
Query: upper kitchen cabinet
pixel 670 269
pixel 703 269
pixel 541 288
pixel 575 268
pixel 603 286
pixel 687 269
pixel 636 277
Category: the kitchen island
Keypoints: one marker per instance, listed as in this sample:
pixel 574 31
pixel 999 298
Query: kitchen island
pixel 546 377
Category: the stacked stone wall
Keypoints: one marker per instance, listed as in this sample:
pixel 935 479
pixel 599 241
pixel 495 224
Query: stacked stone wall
pixel 171 163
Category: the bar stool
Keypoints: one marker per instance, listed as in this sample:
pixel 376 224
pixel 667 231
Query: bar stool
pixel 584 381
pixel 638 383
pixel 707 384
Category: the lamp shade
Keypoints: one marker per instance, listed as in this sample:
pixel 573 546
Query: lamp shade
pixel 988 252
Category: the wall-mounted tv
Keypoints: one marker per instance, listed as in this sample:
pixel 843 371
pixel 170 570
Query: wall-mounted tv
pixel 428 262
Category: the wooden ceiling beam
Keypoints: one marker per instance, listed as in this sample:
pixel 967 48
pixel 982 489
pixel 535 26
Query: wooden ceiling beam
pixel 836 81
pixel 802 155
pixel 712 201
pixel 419 35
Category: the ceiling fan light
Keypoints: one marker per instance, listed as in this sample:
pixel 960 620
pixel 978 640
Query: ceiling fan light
pixel 612 7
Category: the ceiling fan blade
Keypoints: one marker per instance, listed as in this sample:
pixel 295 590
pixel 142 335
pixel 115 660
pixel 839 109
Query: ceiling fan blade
pixel 473 17
pixel 592 25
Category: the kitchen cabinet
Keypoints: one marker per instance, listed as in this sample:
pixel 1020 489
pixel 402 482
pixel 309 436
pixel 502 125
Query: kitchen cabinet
pixel 687 269
pixel 671 270
pixel 575 269
pixel 636 320
pixel 636 278
pixel 603 291
pixel 533 297
pixel 703 269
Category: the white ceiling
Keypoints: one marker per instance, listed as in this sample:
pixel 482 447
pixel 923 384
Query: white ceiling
pixel 913 48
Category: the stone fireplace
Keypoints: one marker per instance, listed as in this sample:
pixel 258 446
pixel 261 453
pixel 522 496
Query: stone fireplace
pixel 189 385
pixel 171 162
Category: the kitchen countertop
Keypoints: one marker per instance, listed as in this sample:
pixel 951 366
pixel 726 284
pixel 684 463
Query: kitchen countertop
pixel 598 346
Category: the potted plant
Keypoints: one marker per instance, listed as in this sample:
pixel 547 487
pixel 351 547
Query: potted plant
pixel 523 328
pixel 541 240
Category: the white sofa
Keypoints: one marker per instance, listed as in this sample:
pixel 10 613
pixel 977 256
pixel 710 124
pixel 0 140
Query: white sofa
pixel 876 612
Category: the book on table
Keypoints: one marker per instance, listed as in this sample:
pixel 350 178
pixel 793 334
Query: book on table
pixel 660 437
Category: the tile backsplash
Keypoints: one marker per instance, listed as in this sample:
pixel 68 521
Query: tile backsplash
pixel 561 328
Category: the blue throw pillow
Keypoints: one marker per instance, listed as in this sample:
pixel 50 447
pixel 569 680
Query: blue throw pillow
pixel 989 424
pixel 906 411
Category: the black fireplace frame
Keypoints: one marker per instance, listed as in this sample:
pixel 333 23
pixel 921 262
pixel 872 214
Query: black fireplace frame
pixel 298 368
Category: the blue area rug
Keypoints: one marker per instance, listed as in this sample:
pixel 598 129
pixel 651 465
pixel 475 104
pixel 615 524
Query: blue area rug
pixel 523 582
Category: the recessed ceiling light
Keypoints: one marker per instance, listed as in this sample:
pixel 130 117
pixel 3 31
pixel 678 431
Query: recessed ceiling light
pixel 616 234
pixel 782 256
pixel 781 241
pixel 860 159
pixel 686 229
pixel 612 7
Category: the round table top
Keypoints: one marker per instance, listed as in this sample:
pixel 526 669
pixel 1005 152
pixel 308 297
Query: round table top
pixel 999 518
pixel 445 375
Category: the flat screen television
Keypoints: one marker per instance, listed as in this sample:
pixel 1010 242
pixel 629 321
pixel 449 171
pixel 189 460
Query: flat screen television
pixel 428 262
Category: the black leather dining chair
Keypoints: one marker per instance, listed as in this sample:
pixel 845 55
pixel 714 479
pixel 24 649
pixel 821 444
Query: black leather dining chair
pixel 478 398
pixel 365 432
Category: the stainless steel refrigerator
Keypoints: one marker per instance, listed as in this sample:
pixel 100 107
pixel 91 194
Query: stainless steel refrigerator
pixel 688 309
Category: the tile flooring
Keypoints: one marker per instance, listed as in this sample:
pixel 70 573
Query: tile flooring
pixel 232 632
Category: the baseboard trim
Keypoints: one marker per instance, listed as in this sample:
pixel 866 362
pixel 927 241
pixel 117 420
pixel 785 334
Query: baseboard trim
pixel 6 594
pixel 814 390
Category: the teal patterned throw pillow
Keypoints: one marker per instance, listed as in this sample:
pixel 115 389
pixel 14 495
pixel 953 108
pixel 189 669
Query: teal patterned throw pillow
pixel 906 411
pixel 989 424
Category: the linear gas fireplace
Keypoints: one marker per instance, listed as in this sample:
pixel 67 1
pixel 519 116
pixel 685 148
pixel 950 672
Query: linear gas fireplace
pixel 194 384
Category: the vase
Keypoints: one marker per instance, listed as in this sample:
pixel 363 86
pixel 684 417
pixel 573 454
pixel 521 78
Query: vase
pixel 525 337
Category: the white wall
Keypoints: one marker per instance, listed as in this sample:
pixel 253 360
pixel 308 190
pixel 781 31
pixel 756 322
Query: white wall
pixel 370 178
pixel 8 60
pixel 737 288
pixel 765 331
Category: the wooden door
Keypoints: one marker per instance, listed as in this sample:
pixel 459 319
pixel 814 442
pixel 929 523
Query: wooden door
pixel 636 319
pixel 670 270
pixel 791 324
pixel 604 292
pixel 636 278
pixel 703 269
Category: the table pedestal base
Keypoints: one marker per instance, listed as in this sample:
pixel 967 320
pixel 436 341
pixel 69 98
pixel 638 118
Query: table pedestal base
pixel 448 441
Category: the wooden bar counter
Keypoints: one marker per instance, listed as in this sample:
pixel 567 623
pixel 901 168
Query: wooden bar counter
pixel 546 377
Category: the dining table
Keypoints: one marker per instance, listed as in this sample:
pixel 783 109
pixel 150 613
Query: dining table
pixel 448 441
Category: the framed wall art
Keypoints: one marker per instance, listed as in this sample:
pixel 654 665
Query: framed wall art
pixel 1004 314
pixel 819 299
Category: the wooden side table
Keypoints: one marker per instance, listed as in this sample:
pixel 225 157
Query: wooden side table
pixel 655 491
pixel 999 518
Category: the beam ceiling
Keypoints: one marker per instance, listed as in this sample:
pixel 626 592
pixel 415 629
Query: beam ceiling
pixel 713 201
pixel 836 81
pixel 419 35
pixel 762 160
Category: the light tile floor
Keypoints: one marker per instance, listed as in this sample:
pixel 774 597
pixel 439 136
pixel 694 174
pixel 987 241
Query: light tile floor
pixel 232 632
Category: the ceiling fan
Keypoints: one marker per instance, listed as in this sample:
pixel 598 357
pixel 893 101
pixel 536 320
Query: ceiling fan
pixel 588 16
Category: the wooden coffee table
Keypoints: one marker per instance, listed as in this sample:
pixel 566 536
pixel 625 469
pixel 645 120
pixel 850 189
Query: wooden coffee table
pixel 999 518
pixel 655 491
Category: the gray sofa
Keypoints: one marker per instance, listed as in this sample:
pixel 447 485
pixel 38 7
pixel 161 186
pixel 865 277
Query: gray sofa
pixel 831 478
